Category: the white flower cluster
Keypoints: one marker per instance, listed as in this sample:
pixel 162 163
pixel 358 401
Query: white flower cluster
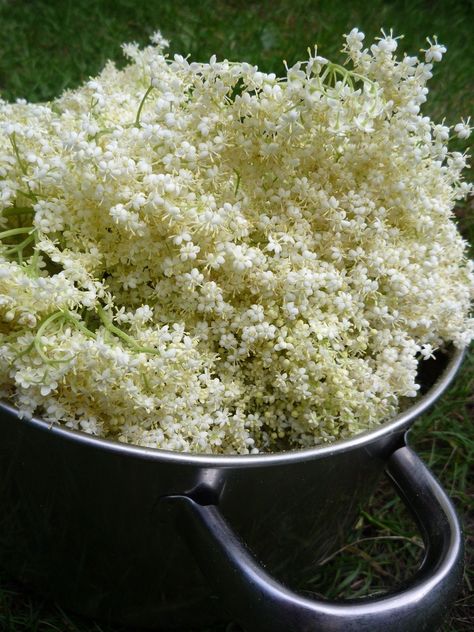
pixel 204 257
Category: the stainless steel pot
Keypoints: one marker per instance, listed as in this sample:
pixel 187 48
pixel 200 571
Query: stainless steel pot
pixel 156 539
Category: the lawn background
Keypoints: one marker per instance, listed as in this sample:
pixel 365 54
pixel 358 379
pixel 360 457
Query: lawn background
pixel 47 47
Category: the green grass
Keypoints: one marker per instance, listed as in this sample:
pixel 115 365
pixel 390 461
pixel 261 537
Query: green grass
pixel 48 46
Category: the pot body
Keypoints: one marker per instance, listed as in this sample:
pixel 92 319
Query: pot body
pixel 84 522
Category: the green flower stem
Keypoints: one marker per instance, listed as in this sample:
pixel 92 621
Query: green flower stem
pixel 237 184
pixel 60 315
pixel 17 249
pixel 35 257
pixel 16 231
pixel 77 323
pixel 22 166
pixel 140 107
pixel 30 195
pixel 67 317
pixel 21 246
pixel 17 154
pixel 111 328
pixel 47 322
pixel 36 342
pixel 102 132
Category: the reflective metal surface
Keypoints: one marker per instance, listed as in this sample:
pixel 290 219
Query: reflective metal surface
pixel 262 604
pixel 82 518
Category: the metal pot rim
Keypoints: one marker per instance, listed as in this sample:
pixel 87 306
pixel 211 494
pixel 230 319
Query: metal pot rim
pixel 397 424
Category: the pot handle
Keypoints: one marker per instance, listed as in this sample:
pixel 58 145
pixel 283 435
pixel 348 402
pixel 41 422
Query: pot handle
pixel 261 604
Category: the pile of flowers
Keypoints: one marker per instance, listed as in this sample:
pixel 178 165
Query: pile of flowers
pixel 204 257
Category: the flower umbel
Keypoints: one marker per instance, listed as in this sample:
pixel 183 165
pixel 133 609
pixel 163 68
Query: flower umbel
pixel 205 257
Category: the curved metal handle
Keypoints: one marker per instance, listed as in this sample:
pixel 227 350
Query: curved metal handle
pixel 261 604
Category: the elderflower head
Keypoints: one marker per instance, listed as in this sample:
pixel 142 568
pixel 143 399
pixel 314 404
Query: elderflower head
pixel 205 257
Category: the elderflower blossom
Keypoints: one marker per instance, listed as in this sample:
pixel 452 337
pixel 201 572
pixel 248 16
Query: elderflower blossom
pixel 204 257
pixel 463 129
